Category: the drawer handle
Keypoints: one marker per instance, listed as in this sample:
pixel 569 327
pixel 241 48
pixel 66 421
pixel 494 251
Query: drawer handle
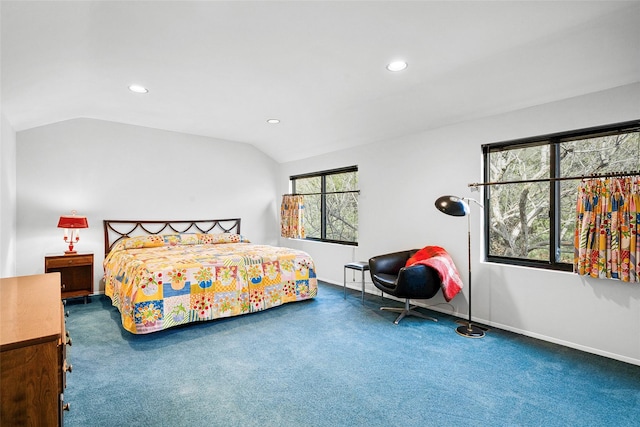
pixel 69 343
pixel 66 407
pixel 68 368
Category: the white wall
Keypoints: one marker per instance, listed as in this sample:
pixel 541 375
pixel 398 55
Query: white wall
pixel 7 199
pixel 401 179
pixel 107 170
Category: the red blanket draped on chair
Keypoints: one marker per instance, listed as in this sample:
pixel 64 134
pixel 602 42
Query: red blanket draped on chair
pixel 438 259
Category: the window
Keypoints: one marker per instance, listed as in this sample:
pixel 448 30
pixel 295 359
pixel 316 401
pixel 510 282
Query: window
pixel 331 204
pixel 530 190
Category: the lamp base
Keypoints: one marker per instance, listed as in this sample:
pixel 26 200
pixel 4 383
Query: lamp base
pixel 70 252
pixel 470 331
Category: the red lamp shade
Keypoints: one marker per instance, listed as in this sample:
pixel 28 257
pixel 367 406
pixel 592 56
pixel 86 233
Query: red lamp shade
pixel 74 223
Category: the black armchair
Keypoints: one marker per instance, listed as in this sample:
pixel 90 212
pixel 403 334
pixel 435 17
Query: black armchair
pixel 389 274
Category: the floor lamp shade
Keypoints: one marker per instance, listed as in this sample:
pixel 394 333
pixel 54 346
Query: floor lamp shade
pixel 452 205
pixel 456 206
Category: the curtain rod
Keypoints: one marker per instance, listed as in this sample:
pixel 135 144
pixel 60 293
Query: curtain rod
pixel 316 194
pixel 564 178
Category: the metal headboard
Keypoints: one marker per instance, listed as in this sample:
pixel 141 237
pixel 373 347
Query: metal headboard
pixel 116 230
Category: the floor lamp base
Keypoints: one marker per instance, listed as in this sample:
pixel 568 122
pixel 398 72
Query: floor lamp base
pixel 470 331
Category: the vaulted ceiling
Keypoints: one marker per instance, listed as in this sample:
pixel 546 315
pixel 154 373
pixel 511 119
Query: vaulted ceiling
pixel 222 69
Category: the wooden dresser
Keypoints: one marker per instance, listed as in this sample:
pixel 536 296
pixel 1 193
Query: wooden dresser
pixel 33 340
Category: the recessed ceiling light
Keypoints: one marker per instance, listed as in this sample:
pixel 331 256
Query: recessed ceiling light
pixel 397 66
pixel 138 89
pixel 273 121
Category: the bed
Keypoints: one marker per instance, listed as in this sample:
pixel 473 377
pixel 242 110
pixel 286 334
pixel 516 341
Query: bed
pixel 162 274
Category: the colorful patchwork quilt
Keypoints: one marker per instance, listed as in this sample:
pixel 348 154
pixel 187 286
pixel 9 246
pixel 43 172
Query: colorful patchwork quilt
pixel 161 281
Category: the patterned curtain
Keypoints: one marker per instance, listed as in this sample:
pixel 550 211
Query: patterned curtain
pixel 607 243
pixel 291 216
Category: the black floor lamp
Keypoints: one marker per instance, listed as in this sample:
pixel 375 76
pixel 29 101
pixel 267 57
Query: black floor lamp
pixel 456 206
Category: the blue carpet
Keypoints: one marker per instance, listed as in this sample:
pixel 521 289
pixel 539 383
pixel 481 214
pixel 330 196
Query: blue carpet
pixel 334 362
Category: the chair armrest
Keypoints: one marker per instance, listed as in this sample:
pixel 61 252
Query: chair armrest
pixel 417 281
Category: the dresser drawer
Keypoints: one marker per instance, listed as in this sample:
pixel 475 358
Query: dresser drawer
pixel 66 261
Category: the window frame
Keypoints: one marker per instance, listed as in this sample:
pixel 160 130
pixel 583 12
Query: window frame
pixel 554 142
pixel 323 205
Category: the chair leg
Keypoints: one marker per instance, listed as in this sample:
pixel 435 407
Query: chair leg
pixel 408 310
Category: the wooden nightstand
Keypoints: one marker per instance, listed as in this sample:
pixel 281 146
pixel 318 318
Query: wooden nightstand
pixel 76 271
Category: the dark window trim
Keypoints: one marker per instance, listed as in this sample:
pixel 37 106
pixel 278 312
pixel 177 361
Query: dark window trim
pixel 324 173
pixel 554 141
pixel 566 136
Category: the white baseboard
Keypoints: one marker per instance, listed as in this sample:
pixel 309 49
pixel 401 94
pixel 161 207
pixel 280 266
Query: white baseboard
pixel 553 340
